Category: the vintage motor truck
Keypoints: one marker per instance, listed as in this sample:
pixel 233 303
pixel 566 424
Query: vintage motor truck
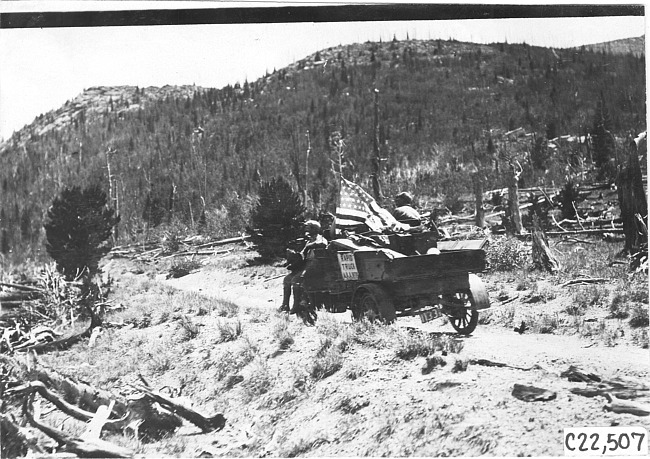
pixel 383 277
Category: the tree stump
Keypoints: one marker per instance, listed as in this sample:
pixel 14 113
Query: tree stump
pixel 543 258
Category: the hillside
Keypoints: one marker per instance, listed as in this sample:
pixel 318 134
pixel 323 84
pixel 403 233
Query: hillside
pixel 634 46
pixel 444 106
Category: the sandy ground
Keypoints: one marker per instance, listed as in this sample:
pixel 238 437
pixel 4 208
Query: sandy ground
pixel 393 409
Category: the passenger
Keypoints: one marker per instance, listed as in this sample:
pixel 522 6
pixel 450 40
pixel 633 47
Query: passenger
pixel 298 263
pixel 404 212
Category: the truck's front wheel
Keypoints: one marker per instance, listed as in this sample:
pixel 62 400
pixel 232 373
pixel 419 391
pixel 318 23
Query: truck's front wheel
pixel 373 303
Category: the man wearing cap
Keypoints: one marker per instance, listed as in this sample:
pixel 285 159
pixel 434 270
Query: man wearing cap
pixel 298 263
pixel 403 209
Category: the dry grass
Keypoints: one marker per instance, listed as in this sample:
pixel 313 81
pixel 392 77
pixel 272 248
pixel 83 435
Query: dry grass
pixel 419 344
pixel 228 330
pixel 260 381
pixel 281 333
pixel 328 360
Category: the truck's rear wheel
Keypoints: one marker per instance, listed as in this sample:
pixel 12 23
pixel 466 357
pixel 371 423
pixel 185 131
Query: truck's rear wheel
pixel 374 304
pixel 465 318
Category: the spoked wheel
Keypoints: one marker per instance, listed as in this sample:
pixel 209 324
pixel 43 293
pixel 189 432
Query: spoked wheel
pixel 463 316
pixel 374 304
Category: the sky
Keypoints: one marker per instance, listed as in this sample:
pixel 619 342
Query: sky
pixel 40 69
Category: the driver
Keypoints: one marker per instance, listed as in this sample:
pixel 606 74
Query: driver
pixel 298 263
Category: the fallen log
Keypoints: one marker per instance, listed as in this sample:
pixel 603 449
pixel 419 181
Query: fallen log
pixel 22 287
pixel 624 407
pixel 68 408
pixel 196 252
pixel 82 448
pixel 575 374
pixel 490 363
pixel 205 423
pixel 586 231
pixel 585 280
pixel 601 390
pixel 223 242
pixel 19 296
pixel 64 343
pixel 81 401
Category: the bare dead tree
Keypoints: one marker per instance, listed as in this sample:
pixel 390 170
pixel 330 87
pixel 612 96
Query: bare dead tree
pixel 376 160
pixel 632 201
pixel 513 195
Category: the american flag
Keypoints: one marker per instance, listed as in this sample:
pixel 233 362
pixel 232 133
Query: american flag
pixel 356 207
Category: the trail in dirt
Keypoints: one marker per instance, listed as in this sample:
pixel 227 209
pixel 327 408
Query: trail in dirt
pixel 488 342
pixel 393 409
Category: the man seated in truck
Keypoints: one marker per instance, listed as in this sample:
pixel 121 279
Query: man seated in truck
pixel 298 263
pixel 404 211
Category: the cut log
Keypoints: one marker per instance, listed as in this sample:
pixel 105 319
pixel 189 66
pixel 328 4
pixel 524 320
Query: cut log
pixel 82 448
pixel 621 406
pixel 205 423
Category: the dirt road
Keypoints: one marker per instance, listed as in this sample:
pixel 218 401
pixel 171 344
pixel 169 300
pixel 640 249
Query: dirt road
pixel 392 408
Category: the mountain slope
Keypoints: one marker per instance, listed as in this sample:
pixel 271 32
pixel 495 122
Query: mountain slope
pixel 175 152
pixel 634 46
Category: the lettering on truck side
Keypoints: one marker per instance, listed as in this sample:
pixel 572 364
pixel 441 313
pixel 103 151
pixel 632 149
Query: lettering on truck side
pixel 348 266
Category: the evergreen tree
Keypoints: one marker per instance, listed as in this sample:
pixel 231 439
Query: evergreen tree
pixel 603 140
pixel 77 229
pixel 276 218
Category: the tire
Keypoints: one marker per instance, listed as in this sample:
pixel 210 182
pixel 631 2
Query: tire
pixel 373 303
pixel 464 323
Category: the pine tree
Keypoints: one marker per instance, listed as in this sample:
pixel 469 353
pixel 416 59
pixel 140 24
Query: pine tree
pixel 603 139
pixel 77 229
pixel 276 218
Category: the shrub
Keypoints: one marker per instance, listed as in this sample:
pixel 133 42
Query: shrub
pixel 77 228
pixel 276 218
pixel 507 254
pixel 639 316
pixel 228 332
pixel 569 197
pixel 171 242
pixel 411 345
pixel 281 332
pixel 188 329
pixel 618 308
pixel 182 268
pixel 459 365
pixel 259 382
pixel 327 362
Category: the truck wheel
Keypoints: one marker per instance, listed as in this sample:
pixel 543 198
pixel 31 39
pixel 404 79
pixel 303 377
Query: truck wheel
pixel 374 303
pixel 465 322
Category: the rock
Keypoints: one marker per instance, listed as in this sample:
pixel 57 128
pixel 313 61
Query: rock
pixel 431 363
pixel 532 394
